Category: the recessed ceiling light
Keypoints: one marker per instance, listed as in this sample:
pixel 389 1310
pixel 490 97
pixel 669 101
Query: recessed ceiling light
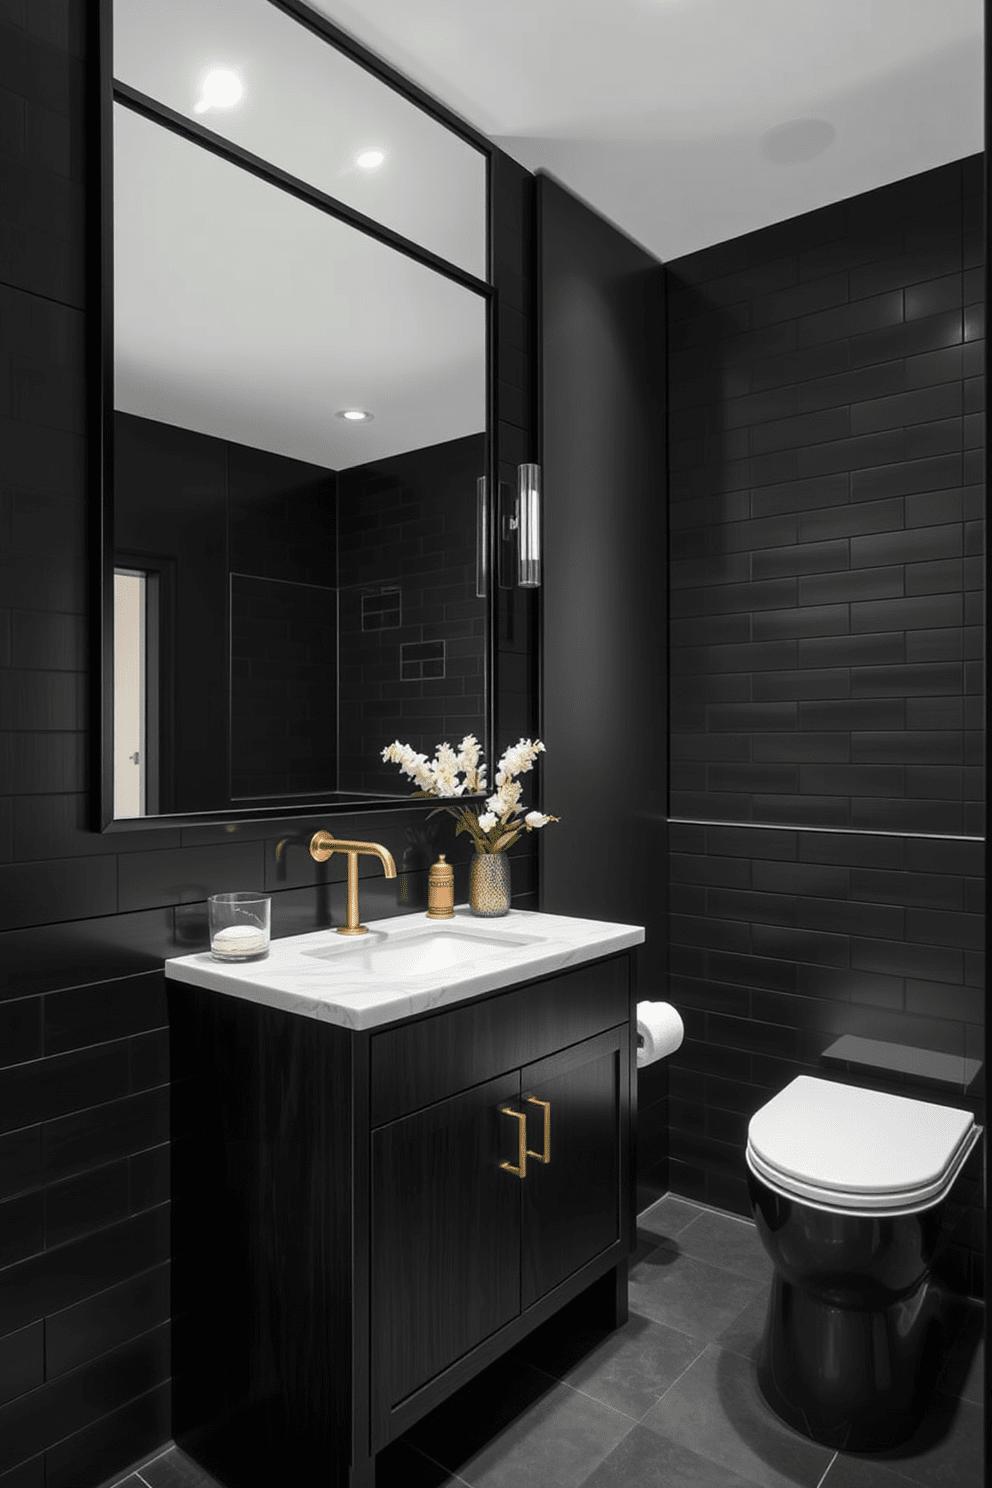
pixel 354 415
pixel 221 88
pixel 370 159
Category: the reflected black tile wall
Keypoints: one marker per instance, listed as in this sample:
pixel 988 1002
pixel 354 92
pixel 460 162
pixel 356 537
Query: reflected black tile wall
pixel 827 500
pixel 827 512
pixel 88 918
pixel 407 561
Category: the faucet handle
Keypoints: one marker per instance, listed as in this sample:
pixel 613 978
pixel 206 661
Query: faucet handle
pixel 322 845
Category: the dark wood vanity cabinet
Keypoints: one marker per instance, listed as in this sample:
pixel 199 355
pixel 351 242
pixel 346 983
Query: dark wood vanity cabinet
pixel 352 1240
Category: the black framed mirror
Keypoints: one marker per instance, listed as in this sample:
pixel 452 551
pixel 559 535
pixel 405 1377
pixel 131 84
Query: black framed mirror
pixel 297 396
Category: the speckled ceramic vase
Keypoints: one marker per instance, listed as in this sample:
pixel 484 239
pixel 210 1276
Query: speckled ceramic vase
pixel 489 885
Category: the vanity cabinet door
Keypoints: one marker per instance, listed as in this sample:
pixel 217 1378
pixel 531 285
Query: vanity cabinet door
pixel 445 1237
pixel 571 1203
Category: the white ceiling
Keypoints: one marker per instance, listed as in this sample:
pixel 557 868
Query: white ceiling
pixel 654 111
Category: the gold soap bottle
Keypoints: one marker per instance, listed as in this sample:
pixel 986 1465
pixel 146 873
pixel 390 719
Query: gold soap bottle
pixel 441 891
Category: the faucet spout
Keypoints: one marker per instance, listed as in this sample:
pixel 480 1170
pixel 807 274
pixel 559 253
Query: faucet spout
pixel 323 845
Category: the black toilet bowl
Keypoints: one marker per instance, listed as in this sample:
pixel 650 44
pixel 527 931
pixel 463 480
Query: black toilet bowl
pixel 855 1330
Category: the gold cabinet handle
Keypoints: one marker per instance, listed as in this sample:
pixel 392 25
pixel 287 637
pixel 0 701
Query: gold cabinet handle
pixel 520 1171
pixel 545 1156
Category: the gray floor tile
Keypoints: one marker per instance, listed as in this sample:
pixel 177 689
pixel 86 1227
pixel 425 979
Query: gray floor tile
pixel 727 1242
pixel 666 1219
pixel 717 1410
pixel 744 1334
pixel 175 1470
pixel 515 1425
pixel 863 1472
pixel 687 1294
pixel 964 1372
pixel 945 1451
pixel 628 1368
pixel 645 1460
pixel 132 1482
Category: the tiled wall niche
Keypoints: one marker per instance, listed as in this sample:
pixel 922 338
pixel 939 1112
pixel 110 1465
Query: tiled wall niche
pixel 86 919
pixel 826 427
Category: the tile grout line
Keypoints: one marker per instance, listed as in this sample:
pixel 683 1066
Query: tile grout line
pixel 827 1469
pixel 454 1476
pixel 675 1381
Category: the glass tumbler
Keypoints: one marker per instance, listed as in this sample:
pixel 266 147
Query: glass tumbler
pixel 239 926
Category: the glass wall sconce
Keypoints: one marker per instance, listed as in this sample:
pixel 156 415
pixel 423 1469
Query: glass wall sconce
pixel 528 525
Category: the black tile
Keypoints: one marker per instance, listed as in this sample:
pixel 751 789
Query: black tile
pixel 103 1011
pixel 60 826
pixel 115 1440
pixel 39 893
pixel 47 1088
pixel 150 1178
pixel 907 477
pixel 22 1361
pixel 22 1228
pixel 934 963
pixel 57 1279
pixel 20 1031
pixel 91 1201
pixel 42 700
pixel 77 1334
pixel 28 1475
pixel 189 875
pixel 80 951
pixel 46 762
pixel 116 1128
pixel 910 546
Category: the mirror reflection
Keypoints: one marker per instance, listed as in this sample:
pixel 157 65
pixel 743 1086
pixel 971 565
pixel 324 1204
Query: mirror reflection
pixel 248 71
pixel 299 434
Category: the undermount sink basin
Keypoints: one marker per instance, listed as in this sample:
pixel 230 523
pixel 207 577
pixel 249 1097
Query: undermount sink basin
pixel 420 952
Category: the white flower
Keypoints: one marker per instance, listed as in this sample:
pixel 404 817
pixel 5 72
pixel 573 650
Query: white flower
pixel 412 764
pixel 537 819
pixel 506 798
pixel 519 758
pixel 488 820
pixel 468 753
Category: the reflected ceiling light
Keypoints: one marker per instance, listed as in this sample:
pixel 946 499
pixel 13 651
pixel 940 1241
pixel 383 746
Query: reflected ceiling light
pixel 221 89
pixel 354 415
pixel 369 159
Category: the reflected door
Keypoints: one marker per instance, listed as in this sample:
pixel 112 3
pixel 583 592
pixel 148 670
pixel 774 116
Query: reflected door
pixel 130 691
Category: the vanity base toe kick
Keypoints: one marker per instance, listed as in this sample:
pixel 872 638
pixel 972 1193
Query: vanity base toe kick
pixel 363 1220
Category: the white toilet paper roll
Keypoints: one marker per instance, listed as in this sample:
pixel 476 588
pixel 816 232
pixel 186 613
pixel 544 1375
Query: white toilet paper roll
pixel 660 1031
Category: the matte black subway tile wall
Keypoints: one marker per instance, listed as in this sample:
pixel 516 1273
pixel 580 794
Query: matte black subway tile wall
pixel 827 431
pixel 826 425
pixel 87 919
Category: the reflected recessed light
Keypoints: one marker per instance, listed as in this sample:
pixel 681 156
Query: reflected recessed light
pixel 221 88
pixel 354 415
pixel 369 159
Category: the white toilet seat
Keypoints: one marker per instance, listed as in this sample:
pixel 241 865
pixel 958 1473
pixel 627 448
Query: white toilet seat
pixel 847 1150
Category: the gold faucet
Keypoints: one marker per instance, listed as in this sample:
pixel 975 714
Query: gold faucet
pixel 322 845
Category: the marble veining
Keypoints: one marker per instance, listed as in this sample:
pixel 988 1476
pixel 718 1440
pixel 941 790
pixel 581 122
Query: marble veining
pixel 367 983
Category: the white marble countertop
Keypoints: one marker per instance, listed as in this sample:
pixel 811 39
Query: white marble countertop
pixel 406 965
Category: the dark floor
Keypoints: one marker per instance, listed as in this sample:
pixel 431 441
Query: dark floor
pixel 669 1401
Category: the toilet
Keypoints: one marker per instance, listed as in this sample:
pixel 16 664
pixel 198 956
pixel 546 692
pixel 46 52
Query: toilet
pixel 850 1191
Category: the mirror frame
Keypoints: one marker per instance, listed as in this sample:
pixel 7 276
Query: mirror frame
pixel 100 404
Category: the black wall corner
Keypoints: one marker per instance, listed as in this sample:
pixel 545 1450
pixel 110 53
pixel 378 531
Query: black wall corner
pixel 602 393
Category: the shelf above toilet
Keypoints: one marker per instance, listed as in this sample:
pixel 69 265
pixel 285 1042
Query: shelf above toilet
pixel 951 1071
